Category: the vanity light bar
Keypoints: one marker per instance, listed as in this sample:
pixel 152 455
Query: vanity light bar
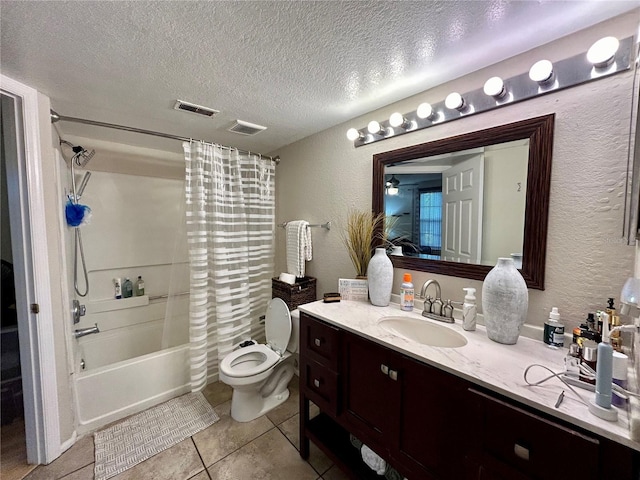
pixel 543 77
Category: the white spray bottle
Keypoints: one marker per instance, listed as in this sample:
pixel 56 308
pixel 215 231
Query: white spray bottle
pixel 469 310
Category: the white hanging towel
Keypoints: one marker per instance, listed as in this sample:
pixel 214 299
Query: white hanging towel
pixel 373 460
pixel 298 246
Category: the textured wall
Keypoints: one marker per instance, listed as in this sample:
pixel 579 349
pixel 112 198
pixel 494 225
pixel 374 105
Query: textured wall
pixel 321 176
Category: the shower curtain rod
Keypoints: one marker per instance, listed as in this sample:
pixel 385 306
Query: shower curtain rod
pixel 55 117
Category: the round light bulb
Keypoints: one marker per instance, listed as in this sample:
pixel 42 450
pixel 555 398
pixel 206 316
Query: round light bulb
pixel 374 127
pixel 541 71
pixel 353 134
pixel 424 110
pixel 396 119
pixel 454 101
pixel 602 53
pixel 494 87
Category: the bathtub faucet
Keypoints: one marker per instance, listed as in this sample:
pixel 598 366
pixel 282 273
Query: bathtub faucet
pixel 81 332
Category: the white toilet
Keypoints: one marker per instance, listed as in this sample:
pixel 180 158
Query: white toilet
pixel 260 374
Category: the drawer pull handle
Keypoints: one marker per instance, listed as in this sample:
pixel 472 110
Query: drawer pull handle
pixel 317 342
pixel 384 369
pixel 393 375
pixel 316 382
pixel 521 452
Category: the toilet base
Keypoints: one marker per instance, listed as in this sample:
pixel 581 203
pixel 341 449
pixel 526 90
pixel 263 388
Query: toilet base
pixel 246 406
pixel 251 401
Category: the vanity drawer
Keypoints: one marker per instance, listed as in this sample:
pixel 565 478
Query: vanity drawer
pixel 320 385
pixel 319 341
pixel 533 445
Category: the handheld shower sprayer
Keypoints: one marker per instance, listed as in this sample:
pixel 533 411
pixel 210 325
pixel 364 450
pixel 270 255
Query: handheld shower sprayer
pixel 83 184
pixel 81 157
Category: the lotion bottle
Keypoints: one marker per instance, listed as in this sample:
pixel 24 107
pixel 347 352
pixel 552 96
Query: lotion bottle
pixel 554 330
pixel 469 310
pixel 406 293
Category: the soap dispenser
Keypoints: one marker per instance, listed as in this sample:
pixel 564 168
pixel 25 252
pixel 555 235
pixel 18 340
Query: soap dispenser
pixel 469 310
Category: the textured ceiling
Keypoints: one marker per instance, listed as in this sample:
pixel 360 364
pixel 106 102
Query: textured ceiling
pixel 296 67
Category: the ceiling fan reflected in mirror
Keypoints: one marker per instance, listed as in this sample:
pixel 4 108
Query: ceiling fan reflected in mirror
pixel 392 185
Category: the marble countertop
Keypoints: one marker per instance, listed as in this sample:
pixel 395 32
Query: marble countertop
pixel 482 361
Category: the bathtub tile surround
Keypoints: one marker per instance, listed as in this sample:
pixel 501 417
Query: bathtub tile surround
pixel 270 454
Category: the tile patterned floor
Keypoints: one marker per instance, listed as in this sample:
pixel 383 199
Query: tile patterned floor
pixel 265 449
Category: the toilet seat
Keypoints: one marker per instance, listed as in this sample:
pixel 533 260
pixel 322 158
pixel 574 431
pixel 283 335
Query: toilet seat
pixel 256 359
pixel 277 325
pixel 249 361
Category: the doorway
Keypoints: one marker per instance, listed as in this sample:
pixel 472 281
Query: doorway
pixel 22 150
pixel 13 443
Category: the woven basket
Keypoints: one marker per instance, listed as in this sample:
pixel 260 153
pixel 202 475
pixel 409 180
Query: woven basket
pixel 301 292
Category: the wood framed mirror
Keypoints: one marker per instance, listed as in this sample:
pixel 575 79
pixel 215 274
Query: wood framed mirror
pixel 496 194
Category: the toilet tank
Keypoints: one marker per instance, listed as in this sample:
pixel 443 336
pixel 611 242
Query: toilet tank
pixel 294 339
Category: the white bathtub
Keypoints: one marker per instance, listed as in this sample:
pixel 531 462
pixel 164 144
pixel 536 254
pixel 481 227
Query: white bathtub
pixel 108 393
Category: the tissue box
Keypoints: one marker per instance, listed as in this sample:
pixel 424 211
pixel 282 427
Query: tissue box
pixel 303 291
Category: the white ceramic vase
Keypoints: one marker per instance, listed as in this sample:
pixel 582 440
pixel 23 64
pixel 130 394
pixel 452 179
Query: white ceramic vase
pixel 505 300
pixel 380 278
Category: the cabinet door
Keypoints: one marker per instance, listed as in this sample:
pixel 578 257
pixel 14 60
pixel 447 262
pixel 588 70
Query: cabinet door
pixel 370 393
pixel 490 469
pixel 530 444
pixel 431 425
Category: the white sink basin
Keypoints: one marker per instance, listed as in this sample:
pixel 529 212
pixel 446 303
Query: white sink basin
pixel 422 331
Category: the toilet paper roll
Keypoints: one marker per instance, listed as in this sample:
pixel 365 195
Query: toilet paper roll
pixel 287 278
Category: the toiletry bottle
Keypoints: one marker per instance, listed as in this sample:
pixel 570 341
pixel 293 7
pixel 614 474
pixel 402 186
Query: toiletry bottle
pixel 615 338
pixel 591 322
pixel 469 310
pixel 604 374
pixel 127 288
pixel 406 293
pixel 139 286
pixel 620 362
pixel 611 311
pixel 589 357
pixel 118 288
pixel 554 330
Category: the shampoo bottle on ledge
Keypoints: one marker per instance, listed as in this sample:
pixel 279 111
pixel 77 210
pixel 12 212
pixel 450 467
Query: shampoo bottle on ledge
pixel 127 288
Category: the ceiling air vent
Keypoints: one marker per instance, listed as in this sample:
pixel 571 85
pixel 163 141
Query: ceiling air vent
pixel 193 108
pixel 246 128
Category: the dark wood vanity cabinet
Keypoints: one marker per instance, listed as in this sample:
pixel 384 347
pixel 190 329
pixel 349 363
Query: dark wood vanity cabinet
pixel 430 424
pixel 402 408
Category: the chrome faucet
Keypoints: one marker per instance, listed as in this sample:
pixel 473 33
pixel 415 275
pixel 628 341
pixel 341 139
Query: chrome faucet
pixel 434 308
pixel 81 332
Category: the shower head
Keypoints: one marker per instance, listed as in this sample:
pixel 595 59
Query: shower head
pixel 81 155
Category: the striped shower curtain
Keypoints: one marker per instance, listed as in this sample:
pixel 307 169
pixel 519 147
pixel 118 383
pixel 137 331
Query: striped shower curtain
pixel 230 209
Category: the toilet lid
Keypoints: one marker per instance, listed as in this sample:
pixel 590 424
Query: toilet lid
pixel 277 325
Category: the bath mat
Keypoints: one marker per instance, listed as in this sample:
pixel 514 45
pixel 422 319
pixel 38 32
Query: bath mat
pixel 140 437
